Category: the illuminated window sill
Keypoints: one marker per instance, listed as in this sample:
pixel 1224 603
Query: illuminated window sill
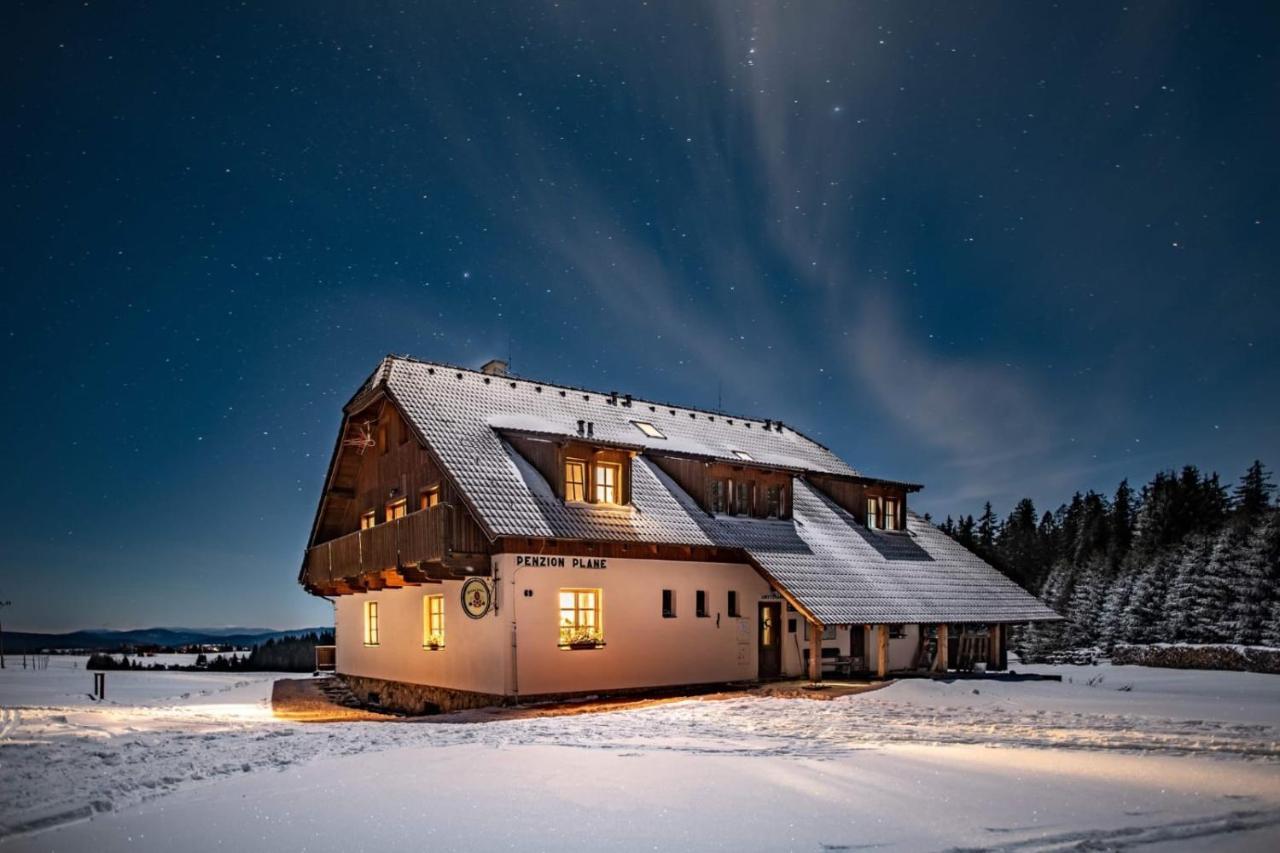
pixel 580 647
pixel 433 648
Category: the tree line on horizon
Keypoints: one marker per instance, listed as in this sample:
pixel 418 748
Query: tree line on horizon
pixel 278 654
pixel 1182 560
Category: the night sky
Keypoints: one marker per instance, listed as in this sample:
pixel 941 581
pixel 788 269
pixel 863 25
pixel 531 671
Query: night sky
pixel 1000 249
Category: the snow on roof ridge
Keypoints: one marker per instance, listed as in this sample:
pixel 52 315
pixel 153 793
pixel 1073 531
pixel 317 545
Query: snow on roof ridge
pixel 710 413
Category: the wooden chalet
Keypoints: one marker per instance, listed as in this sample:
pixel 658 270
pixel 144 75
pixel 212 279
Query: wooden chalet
pixel 488 538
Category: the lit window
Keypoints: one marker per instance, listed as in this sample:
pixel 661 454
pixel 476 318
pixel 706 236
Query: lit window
pixel 371 623
pixel 873 513
pixel 397 509
pixel 668 604
pixel 700 603
pixel 733 603
pixel 648 429
pixel 429 498
pixel 742 454
pixel 580 618
pixel 607 477
pixel 890 514
pixel 367 520
pixel 433 621
pixel 575 480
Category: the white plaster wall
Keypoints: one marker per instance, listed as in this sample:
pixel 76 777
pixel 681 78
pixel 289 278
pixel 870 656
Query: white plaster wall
pixel 474 656
pixel 795 647
pixel 902 652
pixel 641 647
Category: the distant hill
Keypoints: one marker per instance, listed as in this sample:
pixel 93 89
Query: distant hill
pixel 106 640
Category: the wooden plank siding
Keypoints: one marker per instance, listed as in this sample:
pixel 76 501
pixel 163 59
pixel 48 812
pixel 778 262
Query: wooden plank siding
pixel 548 456
pixel 397 468
pixel 851 495
pixel 696 475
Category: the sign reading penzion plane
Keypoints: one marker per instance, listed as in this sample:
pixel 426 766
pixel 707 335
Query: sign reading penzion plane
pixel 548 562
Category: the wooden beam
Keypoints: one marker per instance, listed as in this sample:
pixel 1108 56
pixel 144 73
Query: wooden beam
pixel 815 652
pixel 882 650
pixel 940 662
pixel 995 639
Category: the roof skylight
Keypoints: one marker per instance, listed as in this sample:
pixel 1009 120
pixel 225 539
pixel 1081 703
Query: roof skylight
pixel 742 454
pixel 648 429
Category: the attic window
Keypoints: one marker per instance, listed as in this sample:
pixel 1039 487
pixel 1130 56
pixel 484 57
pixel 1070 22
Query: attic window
pixel 742 454
pixel 648 429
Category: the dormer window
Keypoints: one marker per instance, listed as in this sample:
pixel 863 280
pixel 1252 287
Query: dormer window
pixel 575 480
pixel 742 454
pixel 873 513
pixel 773 502
pixel 715 496
pixel 648 429
pixel 608 478
pixel 890 514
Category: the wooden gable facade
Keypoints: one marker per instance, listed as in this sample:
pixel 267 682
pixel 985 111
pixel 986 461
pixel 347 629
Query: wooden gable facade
pixel 389 515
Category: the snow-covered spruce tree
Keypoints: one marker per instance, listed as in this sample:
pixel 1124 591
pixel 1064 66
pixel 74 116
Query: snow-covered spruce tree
pixel 1084 608
pixel 1114 606
pixel 1256 584
pixel 1197 600
pixel 1143 621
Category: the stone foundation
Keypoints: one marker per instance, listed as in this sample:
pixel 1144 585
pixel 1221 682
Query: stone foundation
pixel 415 699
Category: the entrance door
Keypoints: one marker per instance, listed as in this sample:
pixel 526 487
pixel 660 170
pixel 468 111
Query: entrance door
pixel 770 640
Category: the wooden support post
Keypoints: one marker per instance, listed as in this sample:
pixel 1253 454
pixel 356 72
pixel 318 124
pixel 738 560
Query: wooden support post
pixel 815 652
pixel 940 662
pixel 882 650
pixel 995 641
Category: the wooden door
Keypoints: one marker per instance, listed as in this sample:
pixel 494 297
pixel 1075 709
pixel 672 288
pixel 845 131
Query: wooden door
pixel 770 640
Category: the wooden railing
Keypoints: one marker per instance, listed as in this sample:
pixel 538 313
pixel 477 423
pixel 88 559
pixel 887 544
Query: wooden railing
pixel 419 537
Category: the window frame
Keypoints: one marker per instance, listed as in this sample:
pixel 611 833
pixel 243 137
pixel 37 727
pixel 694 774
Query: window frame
pixel 651 432
pixel 568 632
pixel 433 620
pixel 701 605
pixel 615 487
pixel 773 501
pixel 716 502
pixel 733 604
pixel 401 504
pixel 873 513
pixel 371 517
pixel 372 636
pixel 668 604
pixel 889 516
pixel 581 464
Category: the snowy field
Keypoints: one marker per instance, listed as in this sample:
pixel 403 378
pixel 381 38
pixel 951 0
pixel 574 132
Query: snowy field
pixel 1112 757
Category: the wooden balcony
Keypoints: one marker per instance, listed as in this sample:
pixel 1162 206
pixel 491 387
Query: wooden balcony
pixel 418 548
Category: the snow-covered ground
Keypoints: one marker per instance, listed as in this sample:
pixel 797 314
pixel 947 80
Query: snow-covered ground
pixel 1110 757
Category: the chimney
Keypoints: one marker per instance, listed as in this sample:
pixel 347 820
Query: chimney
pixel 626 401
pixel 494 367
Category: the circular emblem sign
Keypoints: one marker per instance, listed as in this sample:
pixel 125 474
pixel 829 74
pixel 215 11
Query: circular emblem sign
pixel 476 598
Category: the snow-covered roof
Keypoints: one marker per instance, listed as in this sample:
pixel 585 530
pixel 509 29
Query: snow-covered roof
pixel 836 569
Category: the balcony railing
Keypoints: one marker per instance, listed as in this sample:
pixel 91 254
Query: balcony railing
pixel 417 538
